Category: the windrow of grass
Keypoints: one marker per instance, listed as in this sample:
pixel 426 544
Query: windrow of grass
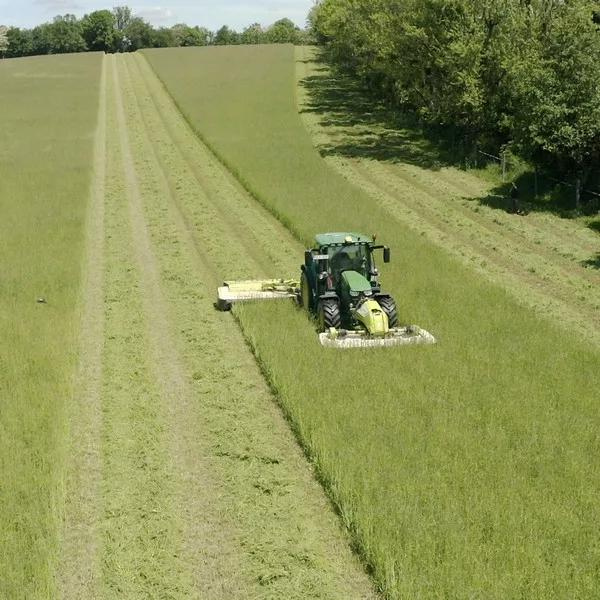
pixel 47 124
pixel 464 470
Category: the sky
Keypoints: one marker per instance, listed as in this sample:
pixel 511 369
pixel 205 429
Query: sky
pixel 212 14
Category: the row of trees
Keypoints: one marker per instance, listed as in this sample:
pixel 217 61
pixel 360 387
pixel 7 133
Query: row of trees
pixel 519 72
pixel 120 30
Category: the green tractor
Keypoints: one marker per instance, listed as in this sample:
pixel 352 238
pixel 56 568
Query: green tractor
pixel 339 285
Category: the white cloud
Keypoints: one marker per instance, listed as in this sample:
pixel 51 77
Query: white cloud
pixel 156 15
pixel 57 6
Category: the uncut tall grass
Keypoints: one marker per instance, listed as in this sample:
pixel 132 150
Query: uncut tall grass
pixel 47 122
pixel 465 470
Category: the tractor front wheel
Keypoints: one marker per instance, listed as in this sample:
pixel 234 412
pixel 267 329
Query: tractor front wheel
pixel 388 306
pixel 329 315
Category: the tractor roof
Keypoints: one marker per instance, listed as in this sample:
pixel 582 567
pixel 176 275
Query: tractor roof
pixel 327 239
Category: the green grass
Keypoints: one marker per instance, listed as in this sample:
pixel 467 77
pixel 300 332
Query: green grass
pixel 466 470
pixel 190 484
pixel 49 108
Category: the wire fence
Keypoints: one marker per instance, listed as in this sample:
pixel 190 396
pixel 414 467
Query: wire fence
pixel 504 158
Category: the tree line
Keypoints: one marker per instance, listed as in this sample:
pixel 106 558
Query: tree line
pixel 522 74
pixel 120 30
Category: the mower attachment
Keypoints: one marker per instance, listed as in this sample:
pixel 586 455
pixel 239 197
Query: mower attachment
pixel 398 336
pixel 266 289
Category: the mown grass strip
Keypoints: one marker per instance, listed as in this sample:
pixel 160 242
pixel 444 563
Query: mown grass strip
pixel 465 469
pixel 252 512
pixel 140 533
pixel 49 112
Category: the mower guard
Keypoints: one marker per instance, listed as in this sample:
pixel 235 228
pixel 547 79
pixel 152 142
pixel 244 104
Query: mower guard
pixel 399 336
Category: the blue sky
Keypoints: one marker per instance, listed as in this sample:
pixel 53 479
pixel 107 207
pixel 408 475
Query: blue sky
pixel 211 14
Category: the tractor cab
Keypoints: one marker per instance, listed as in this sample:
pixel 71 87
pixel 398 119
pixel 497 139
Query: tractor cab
pixel 349 257
pixel 345 262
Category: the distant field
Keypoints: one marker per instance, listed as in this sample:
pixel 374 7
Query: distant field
pixel 464 470
pixel 47 126
pixel 142 453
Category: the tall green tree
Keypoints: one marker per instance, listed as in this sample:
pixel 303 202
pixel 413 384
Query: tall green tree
pixel 99 30
pixel 138 34
pixel 253 34
pixel 226 36
pixel 41 39
pixel 283 31
pixel 19 42
pixel 190 36
pixel 122 17
pixel 163 38
pixel 496 71
pixel 555 79
pixel 65 35
pixel 3 40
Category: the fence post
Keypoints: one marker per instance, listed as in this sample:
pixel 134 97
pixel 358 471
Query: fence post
pixel 578 193
pixel 503 165
pixel 535 183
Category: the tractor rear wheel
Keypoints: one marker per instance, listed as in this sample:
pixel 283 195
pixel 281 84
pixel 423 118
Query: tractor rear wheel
pixel 306 298
pixel 388 306
pixel 329 315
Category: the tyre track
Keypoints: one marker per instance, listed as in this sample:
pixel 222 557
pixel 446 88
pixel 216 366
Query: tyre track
pixel 140 524
pixel 79 571
pixel 538 293
pixel 500 228
pixel 258 230
pixel 566 278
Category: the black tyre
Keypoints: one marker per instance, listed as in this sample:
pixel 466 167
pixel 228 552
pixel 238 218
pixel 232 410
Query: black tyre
pixel 306 297
pixel 329 315
pixel 388 305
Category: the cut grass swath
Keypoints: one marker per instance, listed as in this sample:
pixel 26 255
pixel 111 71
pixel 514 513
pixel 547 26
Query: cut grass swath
pixel 466 469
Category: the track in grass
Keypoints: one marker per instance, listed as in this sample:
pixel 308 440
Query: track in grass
pixel 203 491
pixel 79 571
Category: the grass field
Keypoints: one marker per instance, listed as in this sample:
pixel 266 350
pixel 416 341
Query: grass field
pixel 464 470
pixel 142 452
pixel 49 111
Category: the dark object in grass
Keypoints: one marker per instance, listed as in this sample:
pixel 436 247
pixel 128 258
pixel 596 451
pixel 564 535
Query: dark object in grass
pixel 515 203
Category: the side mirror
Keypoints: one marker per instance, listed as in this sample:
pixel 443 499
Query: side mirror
pixel 386 255
pixel 307 257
